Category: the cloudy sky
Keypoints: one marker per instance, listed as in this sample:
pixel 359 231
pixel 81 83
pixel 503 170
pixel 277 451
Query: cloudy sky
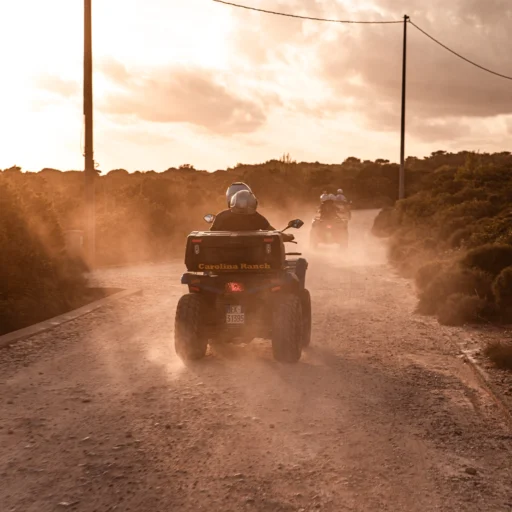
pixel 198 82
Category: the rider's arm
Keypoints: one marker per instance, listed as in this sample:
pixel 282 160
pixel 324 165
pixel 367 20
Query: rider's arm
pixel 264 223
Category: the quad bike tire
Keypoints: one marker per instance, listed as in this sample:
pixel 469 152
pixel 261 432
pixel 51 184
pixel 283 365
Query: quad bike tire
pixel 287 329
pixel 190 341
pixel 306 318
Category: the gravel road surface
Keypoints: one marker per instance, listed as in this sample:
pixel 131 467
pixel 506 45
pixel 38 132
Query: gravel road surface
pixel 381 414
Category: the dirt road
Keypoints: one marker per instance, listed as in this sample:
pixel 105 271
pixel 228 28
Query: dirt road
pixel 380 415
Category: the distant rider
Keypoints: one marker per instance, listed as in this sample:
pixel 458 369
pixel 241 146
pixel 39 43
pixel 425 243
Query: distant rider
pixel 340 197
pixel 342 203
pixel 324 196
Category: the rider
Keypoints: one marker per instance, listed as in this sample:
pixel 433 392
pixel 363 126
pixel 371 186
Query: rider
pixel 242 214
pixel 340 197
pixel 343 203
pixel 324 196
pixel 327 208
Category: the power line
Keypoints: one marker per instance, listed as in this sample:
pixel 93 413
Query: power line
pixel 368 23
pixel 458 54
pixel 305 17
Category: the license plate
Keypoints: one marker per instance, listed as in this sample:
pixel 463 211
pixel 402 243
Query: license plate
pixel 235 315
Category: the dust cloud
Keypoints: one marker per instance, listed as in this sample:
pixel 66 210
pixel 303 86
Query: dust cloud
pixel 339 427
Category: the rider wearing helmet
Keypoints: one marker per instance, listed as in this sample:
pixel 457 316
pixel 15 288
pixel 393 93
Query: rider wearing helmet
pixel 340 196
pixel 324 196
pixel 342 203
pixel 234 188
pixel 242 214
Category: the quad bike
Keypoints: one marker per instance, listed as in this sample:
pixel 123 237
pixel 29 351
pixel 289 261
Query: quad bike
pixel 243 286
pixel 330 227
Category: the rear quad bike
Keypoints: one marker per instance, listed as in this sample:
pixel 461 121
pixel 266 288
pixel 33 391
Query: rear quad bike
pixel 329 231
pixel 243 285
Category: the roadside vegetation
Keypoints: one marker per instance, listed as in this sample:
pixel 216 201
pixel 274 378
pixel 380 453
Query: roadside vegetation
pixel 37 279
pixel 452 233
pixel 454 237
pixel 142 216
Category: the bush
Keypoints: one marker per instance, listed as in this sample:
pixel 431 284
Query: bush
pixel 37 279
pixel 500 353
pixel 491 258
pixel 448 229
pixel 386 223
pixel 427 273
pixel 459 237
pixel 460 309
pixel 502 289
pixel 471 282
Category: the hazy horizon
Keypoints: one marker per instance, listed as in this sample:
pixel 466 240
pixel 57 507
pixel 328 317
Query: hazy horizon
pixel 201 83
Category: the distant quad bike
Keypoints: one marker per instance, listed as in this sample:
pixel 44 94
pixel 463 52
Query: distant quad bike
pixel 242 286
pixel 330 226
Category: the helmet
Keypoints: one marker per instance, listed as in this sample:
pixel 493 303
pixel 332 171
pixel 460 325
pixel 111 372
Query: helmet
pixel 340 191
pixel 234 188
pixel 244 202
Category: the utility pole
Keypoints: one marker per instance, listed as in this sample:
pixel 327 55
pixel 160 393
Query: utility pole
pixel 401 186
pixel 89 170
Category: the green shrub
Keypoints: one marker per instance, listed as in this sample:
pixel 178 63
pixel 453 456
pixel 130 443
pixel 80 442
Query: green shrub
pixel 459 237
pixel 472 282
pixel 386 222
pixel 491 258
pixel 500 353
pixel 37 279
pixel 502 289
pixel 427 273
pixel 451 226
pixel 460 309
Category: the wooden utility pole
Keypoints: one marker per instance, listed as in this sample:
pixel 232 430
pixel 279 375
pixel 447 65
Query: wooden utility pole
pixel 401 186
pixel 89 170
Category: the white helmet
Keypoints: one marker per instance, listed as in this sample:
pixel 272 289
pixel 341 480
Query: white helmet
pixel 234 188
pixel 340 191
pixel 244 202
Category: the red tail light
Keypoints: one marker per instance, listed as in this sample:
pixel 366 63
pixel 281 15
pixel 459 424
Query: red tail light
pixel 234 287
pixel 329 227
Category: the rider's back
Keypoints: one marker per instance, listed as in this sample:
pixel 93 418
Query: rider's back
pixel 229 221
pixel 327 210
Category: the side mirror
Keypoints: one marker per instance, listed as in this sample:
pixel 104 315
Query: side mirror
pixel 297 223
pixel 209 218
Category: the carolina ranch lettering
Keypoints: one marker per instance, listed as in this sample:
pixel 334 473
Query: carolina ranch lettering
pixel 242 266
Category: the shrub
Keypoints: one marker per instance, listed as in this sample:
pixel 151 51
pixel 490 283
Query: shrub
pixel 37 279
pixel 472 282
pixel 500 353
pixel 427 273
pixel 459 237
pixel 451 226
pixel 502 289
pixel 491 258
pixel 460 309
pixel 386 222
